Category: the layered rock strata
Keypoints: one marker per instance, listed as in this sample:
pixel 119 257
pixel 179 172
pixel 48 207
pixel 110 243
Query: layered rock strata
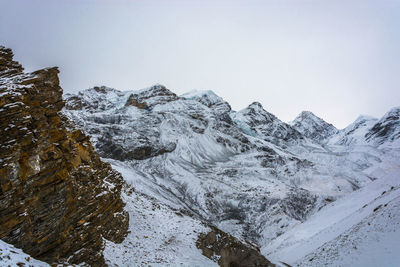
pixel 58 199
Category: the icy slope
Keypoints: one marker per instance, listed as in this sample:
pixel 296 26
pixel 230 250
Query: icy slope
pixel 331 236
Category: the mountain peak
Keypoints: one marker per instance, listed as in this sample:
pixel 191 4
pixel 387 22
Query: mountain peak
pixel 256 105
pixel 313 126
pixel 149 97
pixel 266 125
pixel 209 99
pixel 206 97
pixel 256 109
pixel 307 114
pixel 156 89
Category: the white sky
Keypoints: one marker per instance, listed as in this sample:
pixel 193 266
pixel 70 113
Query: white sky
pixel 338 59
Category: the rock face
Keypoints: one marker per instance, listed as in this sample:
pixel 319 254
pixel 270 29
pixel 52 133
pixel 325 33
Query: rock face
pixel 57 198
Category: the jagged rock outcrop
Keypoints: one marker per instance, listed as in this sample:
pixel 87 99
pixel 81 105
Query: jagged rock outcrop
pixel 313 127
pixel 58 199
pixel 8 66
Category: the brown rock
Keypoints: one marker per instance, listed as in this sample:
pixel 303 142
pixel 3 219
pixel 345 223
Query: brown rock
pixel 229 251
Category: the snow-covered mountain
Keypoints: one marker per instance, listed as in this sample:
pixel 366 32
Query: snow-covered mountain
pixel 246 172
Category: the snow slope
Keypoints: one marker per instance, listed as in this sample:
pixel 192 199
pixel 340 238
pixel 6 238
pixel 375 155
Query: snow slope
pixel 333 235
pixel 11 256
pixel 158 236
pixel 375 241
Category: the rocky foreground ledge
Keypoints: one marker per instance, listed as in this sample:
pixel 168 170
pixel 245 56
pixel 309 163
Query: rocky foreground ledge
pixel 58 199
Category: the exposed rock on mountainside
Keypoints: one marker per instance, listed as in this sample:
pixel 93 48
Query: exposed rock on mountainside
pixel 313 127
pixel 157 94
pixel 229 251
pixel 58 199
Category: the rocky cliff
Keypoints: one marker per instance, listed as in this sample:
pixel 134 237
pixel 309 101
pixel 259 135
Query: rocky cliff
pixel 58 199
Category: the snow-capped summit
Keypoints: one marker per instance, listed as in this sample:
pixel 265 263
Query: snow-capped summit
pixel 313 127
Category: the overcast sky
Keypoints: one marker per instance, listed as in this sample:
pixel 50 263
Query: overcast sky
pixel 338 59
